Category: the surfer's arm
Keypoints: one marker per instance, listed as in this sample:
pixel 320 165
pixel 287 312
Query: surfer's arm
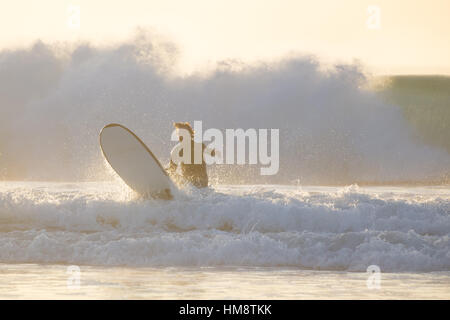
pixel 210 151
pixel 214 152
pixel 172 166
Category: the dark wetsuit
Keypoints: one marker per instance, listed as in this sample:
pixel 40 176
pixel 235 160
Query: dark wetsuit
pixel 193 173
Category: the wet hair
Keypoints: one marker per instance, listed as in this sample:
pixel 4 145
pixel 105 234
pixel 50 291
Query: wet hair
pixel 184 125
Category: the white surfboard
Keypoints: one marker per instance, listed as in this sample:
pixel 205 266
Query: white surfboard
pixel 133 161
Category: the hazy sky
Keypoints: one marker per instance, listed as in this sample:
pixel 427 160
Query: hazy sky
pixel 412 36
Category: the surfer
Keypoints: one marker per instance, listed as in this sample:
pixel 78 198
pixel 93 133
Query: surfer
pixel 190 172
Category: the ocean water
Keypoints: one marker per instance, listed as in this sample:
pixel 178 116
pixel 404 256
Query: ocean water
pixel 306 240
pixel 53 281
pixel 338 126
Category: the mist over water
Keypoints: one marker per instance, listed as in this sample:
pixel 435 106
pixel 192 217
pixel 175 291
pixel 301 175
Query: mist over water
pixel 54 99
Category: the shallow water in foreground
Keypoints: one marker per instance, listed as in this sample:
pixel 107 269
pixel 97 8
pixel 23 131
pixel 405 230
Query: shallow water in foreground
pixel 31 281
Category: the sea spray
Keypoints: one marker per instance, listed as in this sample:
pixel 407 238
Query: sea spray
pixel 332 131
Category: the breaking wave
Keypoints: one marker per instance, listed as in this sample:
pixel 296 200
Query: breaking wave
pixel 398 229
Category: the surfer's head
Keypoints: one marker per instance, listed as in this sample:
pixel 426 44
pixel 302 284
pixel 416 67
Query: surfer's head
pixel 185 126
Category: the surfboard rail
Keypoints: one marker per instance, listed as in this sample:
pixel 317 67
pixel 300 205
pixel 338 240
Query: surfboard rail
pixel 125 175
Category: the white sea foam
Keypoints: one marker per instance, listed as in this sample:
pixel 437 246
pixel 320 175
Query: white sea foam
pixel 399 229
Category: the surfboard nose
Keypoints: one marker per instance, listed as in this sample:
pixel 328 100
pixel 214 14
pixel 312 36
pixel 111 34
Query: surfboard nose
pixel 134 162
